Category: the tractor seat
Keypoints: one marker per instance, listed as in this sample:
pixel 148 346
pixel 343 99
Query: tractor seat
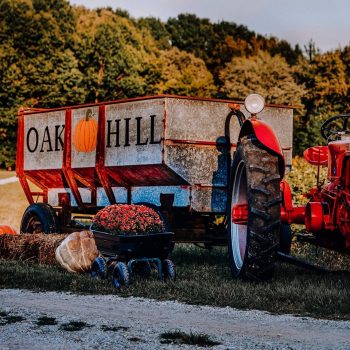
pixel 317 155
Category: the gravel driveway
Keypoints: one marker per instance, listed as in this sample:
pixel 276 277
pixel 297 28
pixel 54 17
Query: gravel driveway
pixel 139 322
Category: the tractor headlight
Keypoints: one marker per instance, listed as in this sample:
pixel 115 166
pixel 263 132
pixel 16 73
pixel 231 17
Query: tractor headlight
pixel 254 103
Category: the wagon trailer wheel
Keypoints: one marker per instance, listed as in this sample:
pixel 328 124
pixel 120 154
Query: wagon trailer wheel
pixel 169 271
pixel 99 268
pixel 120 275
pixel 39 217
pixel 255 182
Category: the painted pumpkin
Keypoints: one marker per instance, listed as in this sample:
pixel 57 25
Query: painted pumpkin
pixel 85 134
pixel 77 252
pixel 7 230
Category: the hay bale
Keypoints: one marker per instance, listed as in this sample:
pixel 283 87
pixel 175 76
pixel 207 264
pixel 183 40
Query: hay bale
pixel 31 247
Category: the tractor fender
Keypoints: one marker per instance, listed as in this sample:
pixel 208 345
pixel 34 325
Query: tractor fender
pixel 266 136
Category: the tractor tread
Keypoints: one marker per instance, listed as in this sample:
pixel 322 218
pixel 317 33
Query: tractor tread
pixel 261 213
pixel 260 189
pixel 263 196
pixel 272 202
pixel 274 177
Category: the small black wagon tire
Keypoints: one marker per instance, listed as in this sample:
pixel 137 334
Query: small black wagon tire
pixel 39 218
pixel 121 275
pixel 169 271
pixel 99 268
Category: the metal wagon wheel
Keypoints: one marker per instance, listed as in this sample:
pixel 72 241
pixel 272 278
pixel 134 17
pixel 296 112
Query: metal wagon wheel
pixel 39 217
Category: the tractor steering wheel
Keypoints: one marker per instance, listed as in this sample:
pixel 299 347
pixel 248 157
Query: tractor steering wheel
pixel 333 128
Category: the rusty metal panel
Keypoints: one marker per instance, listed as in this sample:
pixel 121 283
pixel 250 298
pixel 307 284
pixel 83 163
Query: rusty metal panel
pixel 120 193
pixel 43 140
pixel 53 195
pixel 134 132
pixel 151 194
pixel 209 199
pixel 204 165
pixel 198 120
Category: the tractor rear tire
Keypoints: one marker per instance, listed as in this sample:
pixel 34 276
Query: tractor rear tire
pixel 39 217
pixel 255 181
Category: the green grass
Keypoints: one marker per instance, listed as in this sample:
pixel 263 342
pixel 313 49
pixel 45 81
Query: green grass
pixel 203 278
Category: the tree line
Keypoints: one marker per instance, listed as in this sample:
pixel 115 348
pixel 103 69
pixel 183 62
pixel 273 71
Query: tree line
pixel 54 54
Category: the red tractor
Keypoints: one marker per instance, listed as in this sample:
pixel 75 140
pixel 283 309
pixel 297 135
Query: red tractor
pixel 262 210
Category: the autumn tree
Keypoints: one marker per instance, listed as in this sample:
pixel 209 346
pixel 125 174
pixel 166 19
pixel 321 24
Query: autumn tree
pixel 116 58
pixel 182 73
pixel 38 67
pixel 269 76
pixel 327 84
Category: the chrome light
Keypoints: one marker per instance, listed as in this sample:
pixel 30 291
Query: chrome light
pixel 254 103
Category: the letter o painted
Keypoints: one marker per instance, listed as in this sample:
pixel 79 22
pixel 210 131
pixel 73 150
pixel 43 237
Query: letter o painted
pixel 36 140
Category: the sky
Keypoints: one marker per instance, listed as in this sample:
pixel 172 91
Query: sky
pixel 326 22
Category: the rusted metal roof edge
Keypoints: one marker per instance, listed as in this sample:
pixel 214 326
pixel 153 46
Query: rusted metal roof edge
pixel 28 110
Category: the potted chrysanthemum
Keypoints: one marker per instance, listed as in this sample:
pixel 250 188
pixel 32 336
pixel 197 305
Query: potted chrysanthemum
pixel 128 219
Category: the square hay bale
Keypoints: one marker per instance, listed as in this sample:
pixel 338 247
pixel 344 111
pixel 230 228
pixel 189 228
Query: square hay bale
pixel 31 247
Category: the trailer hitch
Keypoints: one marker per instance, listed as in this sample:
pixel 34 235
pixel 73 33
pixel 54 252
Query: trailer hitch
pixel 301 263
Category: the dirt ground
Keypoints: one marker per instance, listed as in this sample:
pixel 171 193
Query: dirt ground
pixel 139 322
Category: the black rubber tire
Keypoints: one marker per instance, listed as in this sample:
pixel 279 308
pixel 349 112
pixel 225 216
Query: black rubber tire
pixel 39 217
pixel 256 181
pixel 99 268
pixel 169 271
pixel 285 239
pixel 121 275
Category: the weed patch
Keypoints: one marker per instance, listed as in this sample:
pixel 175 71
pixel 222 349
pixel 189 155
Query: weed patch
pixel 135 339
pixel 74 326
pixel 46 321
pixel 178 337
pixel 8 319
pixel 107 328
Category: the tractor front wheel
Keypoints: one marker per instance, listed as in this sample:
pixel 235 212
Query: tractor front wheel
pixel 255 182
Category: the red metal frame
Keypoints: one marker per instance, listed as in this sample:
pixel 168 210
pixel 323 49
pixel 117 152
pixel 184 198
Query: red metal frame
pixel 266 136
pixel 100 155
pixel 67 160
pixel 317 155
